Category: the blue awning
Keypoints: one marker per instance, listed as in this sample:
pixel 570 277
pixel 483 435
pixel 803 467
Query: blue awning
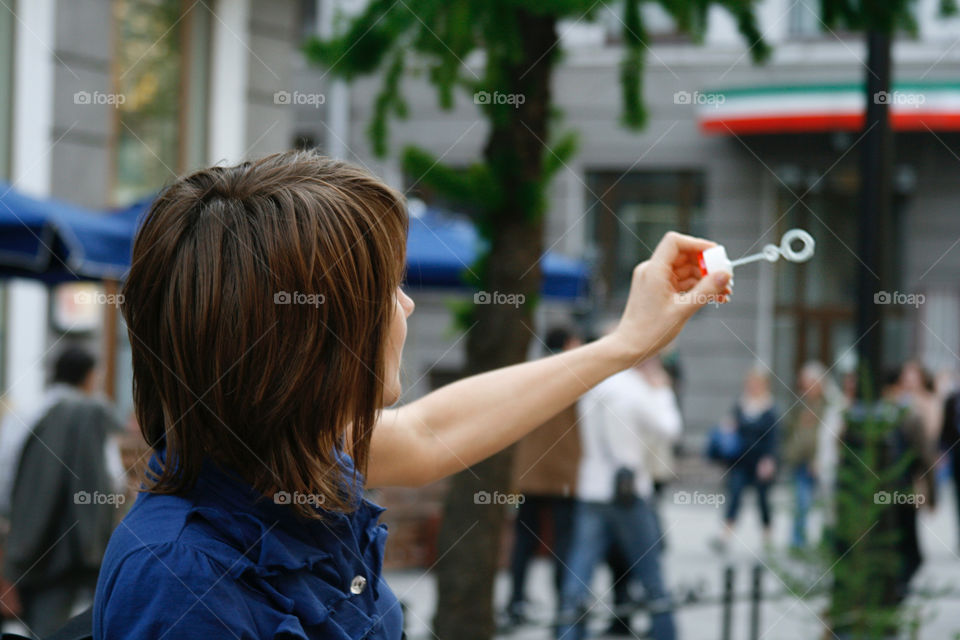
pixel 441 247
pixel 56 242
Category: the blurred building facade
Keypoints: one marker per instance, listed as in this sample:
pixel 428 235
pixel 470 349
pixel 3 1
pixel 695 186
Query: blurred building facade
pixel 739 153
pixel 102 102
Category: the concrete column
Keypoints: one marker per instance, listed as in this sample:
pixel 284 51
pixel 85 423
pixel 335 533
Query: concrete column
pixel 33 70
pixel 228 81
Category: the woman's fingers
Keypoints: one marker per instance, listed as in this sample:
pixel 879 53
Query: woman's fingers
pixel 687 271
pixel 680 247
pixel 711 289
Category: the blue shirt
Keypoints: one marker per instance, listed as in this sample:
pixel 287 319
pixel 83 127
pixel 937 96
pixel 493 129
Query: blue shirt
pixel 224 562
pixel 758 435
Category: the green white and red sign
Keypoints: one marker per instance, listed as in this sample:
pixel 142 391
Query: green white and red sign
pixel 917 106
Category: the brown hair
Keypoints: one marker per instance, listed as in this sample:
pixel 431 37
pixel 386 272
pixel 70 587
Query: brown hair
pixel 258 305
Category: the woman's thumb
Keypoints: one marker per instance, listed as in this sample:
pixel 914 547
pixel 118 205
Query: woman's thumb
pixel 710 289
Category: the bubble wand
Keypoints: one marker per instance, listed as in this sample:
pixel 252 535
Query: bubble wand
pixel 715 260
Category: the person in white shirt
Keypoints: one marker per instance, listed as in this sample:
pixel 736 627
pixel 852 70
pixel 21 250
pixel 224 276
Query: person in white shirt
pixel 614 491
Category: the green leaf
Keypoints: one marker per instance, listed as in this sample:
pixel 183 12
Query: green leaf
pixel 558 155
pixel 389 101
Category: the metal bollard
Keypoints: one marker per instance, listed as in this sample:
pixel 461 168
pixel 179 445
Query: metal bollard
pixel 726 627
pixel 756 597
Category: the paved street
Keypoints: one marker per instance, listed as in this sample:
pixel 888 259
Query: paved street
pixel 691 564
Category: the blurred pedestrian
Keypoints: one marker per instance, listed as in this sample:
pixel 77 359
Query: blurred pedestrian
pixel 918 392
pixel 614 493
pixel 545 472
pixel 755 420
pixel 659 446
pixel 829 438
pixel 912 449
pixel 62 504
pixel 950 443
pixel 658 458
pixel 804 425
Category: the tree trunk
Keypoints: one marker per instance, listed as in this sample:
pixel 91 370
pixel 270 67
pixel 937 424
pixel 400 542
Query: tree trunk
pixel 470 540
pixel 876 168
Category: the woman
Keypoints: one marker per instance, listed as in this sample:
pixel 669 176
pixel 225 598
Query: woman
pixel 755 419
pixel 805 423
pixel 266 323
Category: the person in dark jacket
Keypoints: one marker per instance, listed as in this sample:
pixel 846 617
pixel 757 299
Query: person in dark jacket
pixel 950 440
pixel 545 466
pixel 63 506
pixel 915 488
pixel 756 420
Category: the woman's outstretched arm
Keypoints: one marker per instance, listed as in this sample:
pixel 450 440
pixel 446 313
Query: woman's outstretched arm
pixel 462 423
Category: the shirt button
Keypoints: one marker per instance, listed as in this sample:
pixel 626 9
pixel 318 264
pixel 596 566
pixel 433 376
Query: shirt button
pixel 357 585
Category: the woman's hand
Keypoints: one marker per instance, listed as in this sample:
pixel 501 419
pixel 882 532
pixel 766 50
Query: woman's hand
pixel 665 291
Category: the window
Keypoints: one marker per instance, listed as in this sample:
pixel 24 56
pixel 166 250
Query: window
pixel 161 70
pixel 804 19
pixel 149 63
pixel 606 26
pixel 630 213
